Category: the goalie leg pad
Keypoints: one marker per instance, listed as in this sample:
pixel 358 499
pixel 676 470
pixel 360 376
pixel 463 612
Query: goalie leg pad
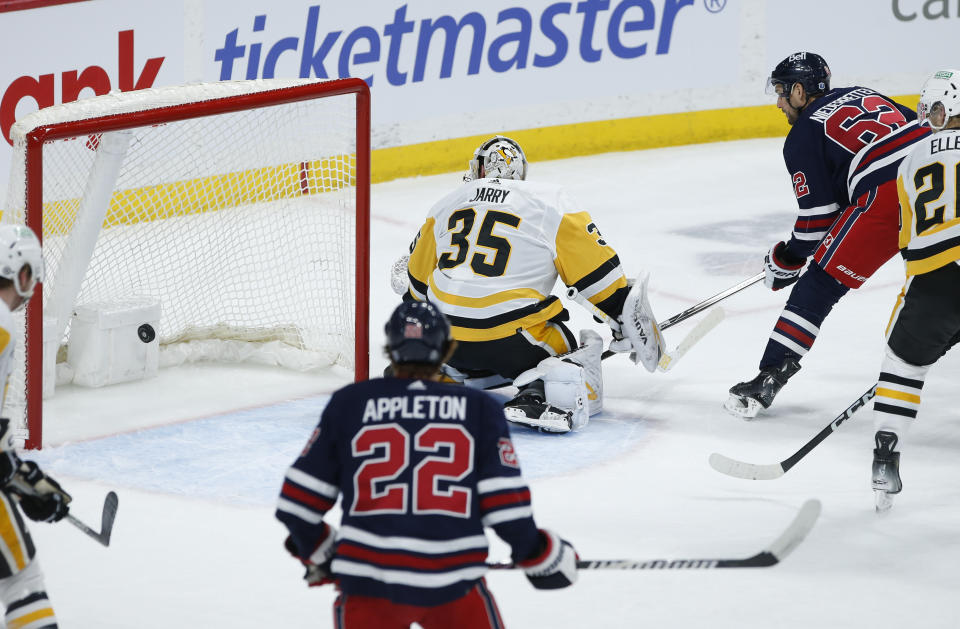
pixel 565 387
pixel 589 356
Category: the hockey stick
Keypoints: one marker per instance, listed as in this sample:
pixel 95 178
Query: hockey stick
pixel 574 295
pixel 750 471
pixel 712 320
pixel 22 488
pixel 773 554
pixel 106 520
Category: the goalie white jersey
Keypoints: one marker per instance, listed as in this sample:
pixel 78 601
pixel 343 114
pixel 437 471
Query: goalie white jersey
pixel 490 253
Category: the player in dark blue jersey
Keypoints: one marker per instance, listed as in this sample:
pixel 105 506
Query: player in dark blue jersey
pixel 421 468
pixel 842 154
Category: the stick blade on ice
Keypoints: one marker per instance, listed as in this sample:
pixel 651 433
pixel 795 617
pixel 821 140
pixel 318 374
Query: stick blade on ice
pixel 740 469
pixel 798 529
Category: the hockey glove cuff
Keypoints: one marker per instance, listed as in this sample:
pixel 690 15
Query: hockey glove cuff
pixel 781 268
pixel 554 565
pixel 318 564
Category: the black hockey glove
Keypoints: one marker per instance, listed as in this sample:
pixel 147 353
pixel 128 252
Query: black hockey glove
pixel 316 573
pixel 554 565
pixel 781 267
pixel 41 498
pixel 48 508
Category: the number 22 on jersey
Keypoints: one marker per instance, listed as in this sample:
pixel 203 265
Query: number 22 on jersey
pixel 387 453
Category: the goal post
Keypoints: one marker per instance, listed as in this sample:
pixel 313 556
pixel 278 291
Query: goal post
pixel 241 208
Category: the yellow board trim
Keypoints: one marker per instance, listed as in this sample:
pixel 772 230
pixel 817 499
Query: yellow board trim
pixel 590 138
pixel 444 156
pixel 897 395
pixel 209 194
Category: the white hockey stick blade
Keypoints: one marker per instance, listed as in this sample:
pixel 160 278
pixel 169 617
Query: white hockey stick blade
pixel 797 531
pixel 740 469
pixel 704 326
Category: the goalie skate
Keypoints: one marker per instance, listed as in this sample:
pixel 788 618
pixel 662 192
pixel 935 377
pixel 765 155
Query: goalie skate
pixel 532 411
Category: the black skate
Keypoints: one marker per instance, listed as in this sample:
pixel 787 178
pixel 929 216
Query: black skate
pixel 886 470
pixel 530 409
pixel 747 398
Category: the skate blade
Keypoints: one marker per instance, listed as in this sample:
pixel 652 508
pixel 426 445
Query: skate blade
pixel 744 408
pixel 882 501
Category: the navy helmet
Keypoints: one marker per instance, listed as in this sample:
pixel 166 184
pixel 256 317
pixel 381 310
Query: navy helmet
pixel 806 68
pixel 417 333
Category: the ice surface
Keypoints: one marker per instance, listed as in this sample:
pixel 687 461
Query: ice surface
pixel 196 545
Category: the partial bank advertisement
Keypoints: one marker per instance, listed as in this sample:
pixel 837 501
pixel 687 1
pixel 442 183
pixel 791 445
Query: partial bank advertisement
pixel 893 45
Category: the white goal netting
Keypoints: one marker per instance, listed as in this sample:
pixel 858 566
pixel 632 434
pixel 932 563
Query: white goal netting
pixel 241 223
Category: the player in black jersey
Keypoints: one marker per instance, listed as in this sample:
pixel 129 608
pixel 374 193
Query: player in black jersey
pixel 842 154
pixel 422 467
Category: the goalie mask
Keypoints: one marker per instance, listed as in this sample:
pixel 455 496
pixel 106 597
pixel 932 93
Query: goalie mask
pixel 19 247
pixel 499 157
pixel 417 333
pixel 940 95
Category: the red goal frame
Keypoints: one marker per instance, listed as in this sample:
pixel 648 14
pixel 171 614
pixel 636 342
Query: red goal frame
pixel 36 139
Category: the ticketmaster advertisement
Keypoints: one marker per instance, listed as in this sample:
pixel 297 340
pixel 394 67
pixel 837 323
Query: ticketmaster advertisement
pixel 440 70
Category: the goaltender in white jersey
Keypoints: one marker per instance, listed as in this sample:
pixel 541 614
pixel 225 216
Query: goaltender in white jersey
pixel 488 256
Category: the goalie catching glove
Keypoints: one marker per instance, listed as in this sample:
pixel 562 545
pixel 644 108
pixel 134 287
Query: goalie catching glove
pixel 318 563
pixel 554 565
pixel 781 268
pixel 639 333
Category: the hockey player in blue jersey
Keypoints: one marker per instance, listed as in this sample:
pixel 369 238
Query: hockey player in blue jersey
pixel 842 154
pixel 421 467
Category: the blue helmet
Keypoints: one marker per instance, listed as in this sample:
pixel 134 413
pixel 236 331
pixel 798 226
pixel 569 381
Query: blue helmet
pixel 417 333
pixel 806 68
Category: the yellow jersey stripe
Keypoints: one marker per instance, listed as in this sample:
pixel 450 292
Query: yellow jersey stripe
pixel 506 329
pixel 23 621
pixel 423 259
pixel 489 300
pixel 8 533
pixel 619 283
pixel 934 262
pixel 906 214
pixel 897 395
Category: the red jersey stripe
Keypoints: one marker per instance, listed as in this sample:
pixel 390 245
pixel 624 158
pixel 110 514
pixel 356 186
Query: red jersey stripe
pixel 304 497
pixel 394 559
pixel 509 498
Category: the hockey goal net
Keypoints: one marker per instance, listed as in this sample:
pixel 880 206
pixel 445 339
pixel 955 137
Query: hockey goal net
pixel 241 207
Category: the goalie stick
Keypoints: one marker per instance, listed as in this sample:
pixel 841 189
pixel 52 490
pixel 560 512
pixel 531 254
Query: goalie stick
pixel 770 471
pixel 712 320
pixel 771 555
pixel 669 359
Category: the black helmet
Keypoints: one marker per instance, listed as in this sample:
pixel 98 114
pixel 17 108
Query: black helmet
pixel 806 68
pixel 417 333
